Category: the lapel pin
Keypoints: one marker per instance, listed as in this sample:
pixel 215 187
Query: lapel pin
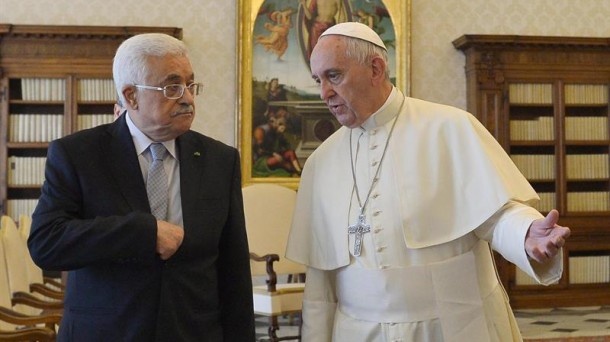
pixel 197 154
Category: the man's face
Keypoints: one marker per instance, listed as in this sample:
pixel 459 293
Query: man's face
pixel 280 124
pixel 274 84
pixel 160 118
pixel 344 83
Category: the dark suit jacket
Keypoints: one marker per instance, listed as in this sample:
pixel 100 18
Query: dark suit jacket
pixel 93 219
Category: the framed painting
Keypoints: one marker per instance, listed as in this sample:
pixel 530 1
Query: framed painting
pixel 281 119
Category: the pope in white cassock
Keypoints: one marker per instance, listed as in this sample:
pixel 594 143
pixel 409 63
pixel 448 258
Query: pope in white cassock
pixel 397 211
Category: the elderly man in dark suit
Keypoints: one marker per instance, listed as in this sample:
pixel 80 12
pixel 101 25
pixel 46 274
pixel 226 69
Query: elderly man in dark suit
pixel 162 264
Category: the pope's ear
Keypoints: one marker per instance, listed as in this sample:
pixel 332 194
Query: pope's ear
pixel 379 67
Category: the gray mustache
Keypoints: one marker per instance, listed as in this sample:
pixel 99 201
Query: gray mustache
pixel 186 109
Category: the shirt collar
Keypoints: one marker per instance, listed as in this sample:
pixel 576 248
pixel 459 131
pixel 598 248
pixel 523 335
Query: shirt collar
pixel 385 113
pixel 141 141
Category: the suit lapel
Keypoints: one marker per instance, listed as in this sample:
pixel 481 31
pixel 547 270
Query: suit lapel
pixel 191 154
pixel 122 160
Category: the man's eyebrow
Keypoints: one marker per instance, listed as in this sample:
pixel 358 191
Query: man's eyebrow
pixel 175 78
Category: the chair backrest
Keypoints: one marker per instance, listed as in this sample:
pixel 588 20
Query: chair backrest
pixel 25 222
pixel 5 291
pixel 268 209
pixel 15 254
pixel 34 273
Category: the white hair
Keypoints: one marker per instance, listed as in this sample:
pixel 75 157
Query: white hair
pixel 364 51
pixel 130 61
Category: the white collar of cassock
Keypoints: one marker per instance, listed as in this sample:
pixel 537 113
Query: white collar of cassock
pixel 384 114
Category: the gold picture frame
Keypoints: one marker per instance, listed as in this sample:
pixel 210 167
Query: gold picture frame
pixel 273 46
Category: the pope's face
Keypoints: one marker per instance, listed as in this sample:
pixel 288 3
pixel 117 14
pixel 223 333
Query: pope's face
pixel 345 84
pixel 158 117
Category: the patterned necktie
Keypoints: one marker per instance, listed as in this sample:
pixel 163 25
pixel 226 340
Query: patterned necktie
pixel 156 184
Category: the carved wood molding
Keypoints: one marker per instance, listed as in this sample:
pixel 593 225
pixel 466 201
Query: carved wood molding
pixel 47 48
pixel 542 51
pixel 81 32
pixel 491 75
pixel 516 41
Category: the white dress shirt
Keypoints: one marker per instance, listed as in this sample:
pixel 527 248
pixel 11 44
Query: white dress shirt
pixel 171 165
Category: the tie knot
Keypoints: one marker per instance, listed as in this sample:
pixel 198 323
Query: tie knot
pixel 158 151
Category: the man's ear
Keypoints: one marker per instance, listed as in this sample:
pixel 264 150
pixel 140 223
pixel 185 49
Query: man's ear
pixel 129 93
pixel 379 68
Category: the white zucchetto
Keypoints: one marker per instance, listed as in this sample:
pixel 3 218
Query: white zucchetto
pixel 355 30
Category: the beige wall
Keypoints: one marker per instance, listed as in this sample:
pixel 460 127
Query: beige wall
pixel 210 28
pixel 438 68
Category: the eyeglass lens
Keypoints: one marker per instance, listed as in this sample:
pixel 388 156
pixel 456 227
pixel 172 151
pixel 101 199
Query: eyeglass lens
pixel 177 90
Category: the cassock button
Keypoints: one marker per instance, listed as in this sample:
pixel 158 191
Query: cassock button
pixel 374 147
pixel 374 163
pixel 377 212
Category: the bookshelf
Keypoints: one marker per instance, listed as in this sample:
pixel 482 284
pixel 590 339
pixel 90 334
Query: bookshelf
pixel 545 99
pixel 54 80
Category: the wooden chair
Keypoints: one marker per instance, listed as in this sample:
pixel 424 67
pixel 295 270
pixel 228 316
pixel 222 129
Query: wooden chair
pixel 28 334
pixel 17 326
pixel 24 225
pixel 48 286
pixel 13 260
pixel 268 209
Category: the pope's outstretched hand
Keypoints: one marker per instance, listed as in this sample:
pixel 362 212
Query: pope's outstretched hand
pixel 545 237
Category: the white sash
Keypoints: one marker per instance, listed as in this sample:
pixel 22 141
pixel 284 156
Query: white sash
pixel 450 290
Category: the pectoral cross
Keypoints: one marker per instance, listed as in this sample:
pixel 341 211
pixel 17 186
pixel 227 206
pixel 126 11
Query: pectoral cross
pixel 359 229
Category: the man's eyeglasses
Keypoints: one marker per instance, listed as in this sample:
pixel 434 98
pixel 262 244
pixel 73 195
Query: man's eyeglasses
pixel 174 91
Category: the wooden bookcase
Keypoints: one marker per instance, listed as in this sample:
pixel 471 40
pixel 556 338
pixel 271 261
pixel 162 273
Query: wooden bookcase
pixel 54 80
pixel 545 99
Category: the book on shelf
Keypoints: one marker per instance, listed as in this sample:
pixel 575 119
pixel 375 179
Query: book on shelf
pixel 530 93
pixel 587 166
pixel 35 127
pixel 43 89
pixel 26 171
pixel 586 128
pixel 547 202
pixel 581 270
pixel 536 129
pixel 17 207
pixel 586 94
pixel 535 166
pixel 96 90
pixel 92 120
pixel 589 269
pixel 588 201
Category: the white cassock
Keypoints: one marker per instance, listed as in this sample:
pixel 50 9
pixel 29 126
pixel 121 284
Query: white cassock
pixel 446 190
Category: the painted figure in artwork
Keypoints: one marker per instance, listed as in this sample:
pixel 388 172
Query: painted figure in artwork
pixel 273 154
pixel 275 92
pixel 277 40
pixel 287 121
pixel 372 18
pixel 319 16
